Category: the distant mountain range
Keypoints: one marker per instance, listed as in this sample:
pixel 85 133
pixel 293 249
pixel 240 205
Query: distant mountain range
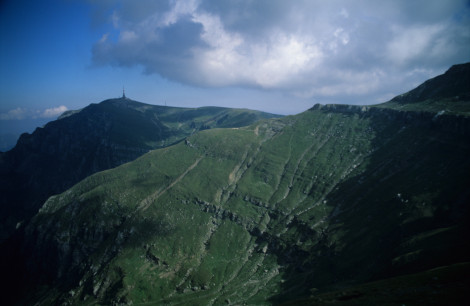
pixel 95 138
pixel 338 205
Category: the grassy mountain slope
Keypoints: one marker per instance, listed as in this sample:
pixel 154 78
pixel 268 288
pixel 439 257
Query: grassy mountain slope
pixel 98 137
pixel 320 201
pixel 441 286
pixel 447 93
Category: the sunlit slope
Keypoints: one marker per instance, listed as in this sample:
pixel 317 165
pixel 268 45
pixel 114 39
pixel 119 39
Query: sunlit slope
pixel 98 137
pixel 334 196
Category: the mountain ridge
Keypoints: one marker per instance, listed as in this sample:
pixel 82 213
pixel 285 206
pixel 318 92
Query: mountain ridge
pixel 293 260
pixel 97 137
pixel 446 93
pixel 453 84
pixel 283 210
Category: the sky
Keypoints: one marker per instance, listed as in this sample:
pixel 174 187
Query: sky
pixel 277 56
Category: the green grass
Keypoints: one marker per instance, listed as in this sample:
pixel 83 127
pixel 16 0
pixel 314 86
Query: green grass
pixel 263 214
pixel 446 106
pixel 98 137
pixel 440 286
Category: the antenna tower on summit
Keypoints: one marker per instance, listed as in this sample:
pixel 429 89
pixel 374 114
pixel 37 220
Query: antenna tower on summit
pixel 123 93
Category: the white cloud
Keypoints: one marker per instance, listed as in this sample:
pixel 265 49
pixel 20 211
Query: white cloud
pixel 53 112
pixel 342 35
pixel 306 48
pixel 14 114
pixel 115 19
pixel 104 38
pixel 128 36
pixel 24 113
pixel 179 8
pixel 269 63
pixel 409 43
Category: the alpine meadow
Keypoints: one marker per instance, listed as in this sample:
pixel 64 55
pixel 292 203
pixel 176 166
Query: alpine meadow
pixel 234 152
pixel 338 205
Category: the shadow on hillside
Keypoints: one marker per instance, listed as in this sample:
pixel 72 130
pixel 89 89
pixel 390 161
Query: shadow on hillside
pixel 406 212
pixel 58 254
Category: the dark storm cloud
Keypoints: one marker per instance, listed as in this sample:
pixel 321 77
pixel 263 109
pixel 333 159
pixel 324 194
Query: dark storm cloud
pixel 168 53
pixel 254 18
pixel 335 50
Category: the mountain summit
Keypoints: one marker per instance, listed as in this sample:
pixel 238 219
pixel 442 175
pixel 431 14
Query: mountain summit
pixel 337 205
pixel 98 137
pixel 453 85
pixel 447 93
